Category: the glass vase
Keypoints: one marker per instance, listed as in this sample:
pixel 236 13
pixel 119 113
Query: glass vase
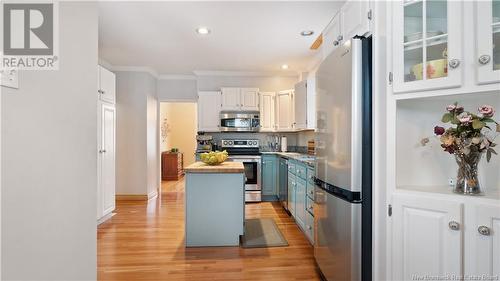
pixel 467 176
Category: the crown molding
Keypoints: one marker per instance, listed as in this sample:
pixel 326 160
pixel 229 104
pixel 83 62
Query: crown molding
pixel 176 77
pixel 136 69
pixel 245 73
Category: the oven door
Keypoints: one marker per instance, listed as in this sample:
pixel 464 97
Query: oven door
pixel 252 171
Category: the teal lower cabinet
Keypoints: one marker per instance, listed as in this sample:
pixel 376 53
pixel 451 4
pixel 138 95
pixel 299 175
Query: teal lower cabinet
pixel 292 186
pixel 269 177
pixel 300 202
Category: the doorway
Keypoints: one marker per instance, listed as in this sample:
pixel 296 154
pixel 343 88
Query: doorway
pixel 178 130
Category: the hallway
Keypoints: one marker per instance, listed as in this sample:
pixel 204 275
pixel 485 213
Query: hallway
pixel 146 242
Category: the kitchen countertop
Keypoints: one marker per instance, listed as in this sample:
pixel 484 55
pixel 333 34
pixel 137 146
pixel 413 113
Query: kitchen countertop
pixel 226 167
pixel 301 157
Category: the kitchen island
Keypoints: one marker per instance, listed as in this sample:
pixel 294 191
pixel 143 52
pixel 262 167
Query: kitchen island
pixel 215 204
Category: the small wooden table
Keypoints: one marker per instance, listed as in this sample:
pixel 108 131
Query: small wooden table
pixel 172 165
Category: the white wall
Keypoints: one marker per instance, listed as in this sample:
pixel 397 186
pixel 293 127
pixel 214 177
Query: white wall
pixel 264 83
pixel 177 90
pixel 136 133
pixel 49 163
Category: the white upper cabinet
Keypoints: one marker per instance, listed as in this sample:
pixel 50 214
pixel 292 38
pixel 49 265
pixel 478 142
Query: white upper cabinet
pixel 331 36
pixel 209 107
pixel 106 85
pixel 240 99
pixel 267 111
pixel 488 41
pixel 483 258
pixel 426 237
pixel 355 18
pixel 311 100
pixel 249 99
pixel 300 106
pixel 231 99
pixel 284 110
pixel 427 45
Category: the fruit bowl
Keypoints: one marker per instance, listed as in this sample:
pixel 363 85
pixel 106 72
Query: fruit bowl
pixel 214 157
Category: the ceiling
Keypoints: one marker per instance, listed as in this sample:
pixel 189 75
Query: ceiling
pixel 245 36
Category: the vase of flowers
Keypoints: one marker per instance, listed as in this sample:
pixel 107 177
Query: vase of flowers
pixel 468 139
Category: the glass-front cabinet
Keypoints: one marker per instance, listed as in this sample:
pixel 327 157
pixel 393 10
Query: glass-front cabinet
pixel 488 41
pixel 427 45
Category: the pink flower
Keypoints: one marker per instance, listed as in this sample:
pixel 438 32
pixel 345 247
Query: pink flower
pixel 451 107
pixel 439 130
pixel 465 118
pixel 486 110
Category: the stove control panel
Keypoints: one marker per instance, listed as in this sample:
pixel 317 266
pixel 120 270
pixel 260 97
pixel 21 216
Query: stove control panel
pixel 240 143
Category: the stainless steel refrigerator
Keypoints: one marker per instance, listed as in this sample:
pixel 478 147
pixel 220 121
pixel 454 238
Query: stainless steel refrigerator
pixel 342 210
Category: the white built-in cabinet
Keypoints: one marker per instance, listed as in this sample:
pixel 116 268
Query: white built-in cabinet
pixel 487 19
pixel 107 85
pixel 354 19
pixel 427 45
pixel 444 236
pixel 240 99
pixel 106 134
pixel 267 111
pixel 424 241
pixel 209 107
pixel 284 110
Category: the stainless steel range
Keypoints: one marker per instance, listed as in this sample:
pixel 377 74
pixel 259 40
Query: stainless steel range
pixel 247 152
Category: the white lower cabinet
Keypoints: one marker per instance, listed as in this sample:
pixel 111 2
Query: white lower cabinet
pixel 483 241
pixel 426 237
pixel 106 160
pixel 444 237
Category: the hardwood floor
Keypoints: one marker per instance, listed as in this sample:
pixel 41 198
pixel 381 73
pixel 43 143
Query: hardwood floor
pixel 145 241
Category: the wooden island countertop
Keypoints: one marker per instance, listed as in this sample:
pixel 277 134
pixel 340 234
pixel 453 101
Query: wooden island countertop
pixel 224 168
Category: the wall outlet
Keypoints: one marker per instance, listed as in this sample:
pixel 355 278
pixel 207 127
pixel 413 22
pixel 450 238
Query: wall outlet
pixel 451 182
pixel 9 78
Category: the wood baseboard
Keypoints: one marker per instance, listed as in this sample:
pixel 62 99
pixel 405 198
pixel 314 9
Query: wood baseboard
pixel 132 197
pixel 137 197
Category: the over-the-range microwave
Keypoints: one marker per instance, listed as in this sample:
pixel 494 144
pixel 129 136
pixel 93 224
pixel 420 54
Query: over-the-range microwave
pixel 240 121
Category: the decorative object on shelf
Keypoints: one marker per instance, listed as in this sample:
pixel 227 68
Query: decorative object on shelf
pixel 213 157
pixel 434 69
pixel 164 130
pixel 468 141
pixel 174 150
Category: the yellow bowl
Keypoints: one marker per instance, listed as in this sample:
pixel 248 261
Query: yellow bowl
pixel 435 69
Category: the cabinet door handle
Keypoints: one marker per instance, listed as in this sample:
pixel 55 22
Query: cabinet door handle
pixel 484 230
pixel 102 151
pixel 454 225
pixel 484 59
pixel 309 227
pixel 340 38
pixel 335 43
pixel 454 63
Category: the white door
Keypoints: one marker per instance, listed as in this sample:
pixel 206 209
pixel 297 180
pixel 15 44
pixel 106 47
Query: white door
pixel 488 41
pixel 331 36
pixel 483 244
pixel 284 110
pixel 107 85
pixel 427 45
pixel 107 158
pixel 300 105
pixel 267 107
pixel 423 241
pixel 354 16
pixel 249 98
pixel 231 99
pixel 209 106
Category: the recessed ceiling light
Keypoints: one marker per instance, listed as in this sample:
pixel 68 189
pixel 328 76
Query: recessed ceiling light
pixel 203 30
pixel 285 66
pixel 307 33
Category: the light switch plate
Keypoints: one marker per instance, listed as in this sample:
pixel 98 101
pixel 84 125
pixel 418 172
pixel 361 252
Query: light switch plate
pixel 9 78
